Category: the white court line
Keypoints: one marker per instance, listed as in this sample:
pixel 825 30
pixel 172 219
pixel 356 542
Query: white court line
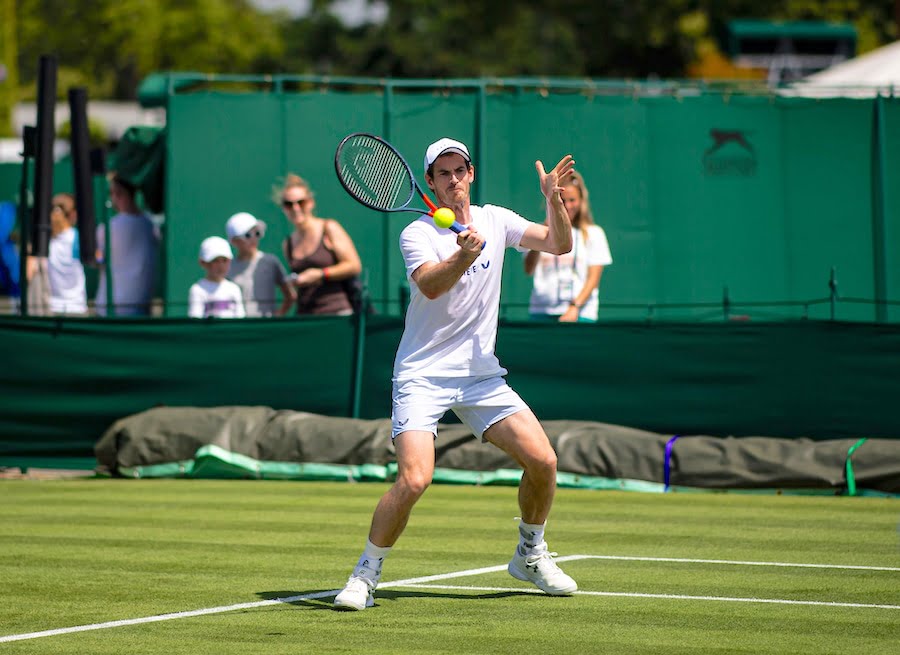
pixel 625 594
pixel 432 578
pixel 241 606
pixel 735 562
pixel 459 574
pixel 165 617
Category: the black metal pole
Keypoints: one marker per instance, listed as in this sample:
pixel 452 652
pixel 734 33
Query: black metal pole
pixel 43 159
pixel 82 175
pixel 28 136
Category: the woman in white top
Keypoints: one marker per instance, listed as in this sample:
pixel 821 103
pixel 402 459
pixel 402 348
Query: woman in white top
pixel 68 294
pixel 566 286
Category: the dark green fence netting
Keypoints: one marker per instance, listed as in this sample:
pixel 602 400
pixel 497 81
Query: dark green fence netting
pixel 63 382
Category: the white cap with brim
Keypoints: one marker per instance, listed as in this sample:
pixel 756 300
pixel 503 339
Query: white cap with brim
pixel 442 147
pixel 213 247
pixel 241 223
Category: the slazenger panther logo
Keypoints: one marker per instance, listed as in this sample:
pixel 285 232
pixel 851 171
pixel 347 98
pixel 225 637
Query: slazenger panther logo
pixel 731 153
pixel 723 137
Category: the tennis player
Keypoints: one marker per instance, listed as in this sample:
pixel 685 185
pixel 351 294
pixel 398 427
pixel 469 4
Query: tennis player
pixel 446 361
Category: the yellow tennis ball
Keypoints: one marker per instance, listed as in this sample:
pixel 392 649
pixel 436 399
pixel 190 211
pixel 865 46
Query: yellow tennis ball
pixel 444 217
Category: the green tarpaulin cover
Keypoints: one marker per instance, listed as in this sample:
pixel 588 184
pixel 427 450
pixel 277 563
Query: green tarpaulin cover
pixel 260 442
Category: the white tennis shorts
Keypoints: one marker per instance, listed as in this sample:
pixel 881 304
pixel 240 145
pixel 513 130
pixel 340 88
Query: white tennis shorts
pixel 479 402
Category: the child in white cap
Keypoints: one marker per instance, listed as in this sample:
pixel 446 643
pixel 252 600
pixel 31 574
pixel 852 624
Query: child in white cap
pixel 214 295
pixel 257 273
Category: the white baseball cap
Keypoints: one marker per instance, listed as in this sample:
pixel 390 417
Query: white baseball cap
pixel 442 147
pixel 241 223
pixel 213 247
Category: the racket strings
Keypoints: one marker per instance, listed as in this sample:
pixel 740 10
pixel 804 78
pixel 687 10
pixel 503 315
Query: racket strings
pixel 375 174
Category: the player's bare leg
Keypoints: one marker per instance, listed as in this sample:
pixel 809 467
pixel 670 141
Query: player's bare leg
pixel 415 468
pixel 522 438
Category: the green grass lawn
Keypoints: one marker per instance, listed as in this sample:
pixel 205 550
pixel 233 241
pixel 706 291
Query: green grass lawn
pixel 85 552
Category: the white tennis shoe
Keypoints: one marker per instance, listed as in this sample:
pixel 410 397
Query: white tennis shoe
pixel 540 569
pixel 357 594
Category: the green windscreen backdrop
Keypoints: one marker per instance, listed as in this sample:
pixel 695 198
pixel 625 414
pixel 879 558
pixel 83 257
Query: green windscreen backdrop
pixel 65 381
pixel 756 207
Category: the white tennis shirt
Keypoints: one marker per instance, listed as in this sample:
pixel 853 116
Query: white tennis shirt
pixel 454 335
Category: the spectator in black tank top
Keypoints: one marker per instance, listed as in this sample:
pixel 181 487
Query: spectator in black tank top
pixel 319 252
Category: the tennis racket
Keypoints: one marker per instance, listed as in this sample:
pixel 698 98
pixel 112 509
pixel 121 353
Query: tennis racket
pixel 376 175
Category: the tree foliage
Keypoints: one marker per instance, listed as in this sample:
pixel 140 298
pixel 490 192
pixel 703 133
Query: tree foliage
pixel 610 38
pixel 109 46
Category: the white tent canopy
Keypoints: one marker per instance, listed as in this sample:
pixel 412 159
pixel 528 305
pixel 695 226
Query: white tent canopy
pixel 876 72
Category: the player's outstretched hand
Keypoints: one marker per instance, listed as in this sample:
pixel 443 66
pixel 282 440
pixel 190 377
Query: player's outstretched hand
pixel 552 181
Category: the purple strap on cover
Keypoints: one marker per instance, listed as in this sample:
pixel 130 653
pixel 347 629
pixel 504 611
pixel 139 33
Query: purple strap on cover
pixel 668 461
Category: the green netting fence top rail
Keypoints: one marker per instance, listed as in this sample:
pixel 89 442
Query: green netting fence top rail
pixel 614 312
pixel 155 89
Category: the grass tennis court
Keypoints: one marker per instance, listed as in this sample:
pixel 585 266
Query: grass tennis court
pixel 674 573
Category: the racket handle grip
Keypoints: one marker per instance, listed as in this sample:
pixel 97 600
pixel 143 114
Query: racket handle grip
pixel 458 227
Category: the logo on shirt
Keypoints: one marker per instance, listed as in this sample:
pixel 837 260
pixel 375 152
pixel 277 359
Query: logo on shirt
pixel 214 307
pixel 474 267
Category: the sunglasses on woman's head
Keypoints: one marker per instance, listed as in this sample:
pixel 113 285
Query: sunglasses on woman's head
pixel 287 204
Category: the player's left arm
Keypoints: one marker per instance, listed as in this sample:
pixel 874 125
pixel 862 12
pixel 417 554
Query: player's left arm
pixel 555 235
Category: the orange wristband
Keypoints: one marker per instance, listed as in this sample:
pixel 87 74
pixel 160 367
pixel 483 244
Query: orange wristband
pixel 325 274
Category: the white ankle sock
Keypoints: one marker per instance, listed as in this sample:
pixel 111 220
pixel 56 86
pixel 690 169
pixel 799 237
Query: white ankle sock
pixel 369 564
pixel 531 535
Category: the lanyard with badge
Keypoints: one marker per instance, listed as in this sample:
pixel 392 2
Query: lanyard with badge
pixel 567 276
